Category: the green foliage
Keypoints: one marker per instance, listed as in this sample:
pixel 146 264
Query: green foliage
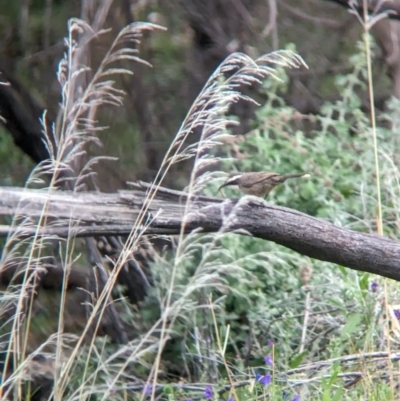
pixel 267 294
pixel 330 390
pixel 272 302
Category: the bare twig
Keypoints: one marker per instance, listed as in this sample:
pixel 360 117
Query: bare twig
pixel 305 322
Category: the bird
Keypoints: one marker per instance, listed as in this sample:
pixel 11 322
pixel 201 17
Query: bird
pixel 259 183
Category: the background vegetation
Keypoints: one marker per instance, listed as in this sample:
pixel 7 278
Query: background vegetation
pixel 226 316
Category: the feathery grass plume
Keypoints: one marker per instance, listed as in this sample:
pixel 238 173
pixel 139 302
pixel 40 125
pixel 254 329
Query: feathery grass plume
pixel 78 118
pixel 180 299
pixel 81 97
pixel 209 115
pixel 66 143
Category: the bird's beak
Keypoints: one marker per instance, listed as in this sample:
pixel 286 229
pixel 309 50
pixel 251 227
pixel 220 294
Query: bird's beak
pixel 233 180
pixel 222 186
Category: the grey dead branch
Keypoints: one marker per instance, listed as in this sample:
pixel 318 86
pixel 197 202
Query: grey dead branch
pixel 94 214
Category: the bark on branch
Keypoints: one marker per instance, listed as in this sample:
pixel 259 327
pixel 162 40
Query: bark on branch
pixel 116 214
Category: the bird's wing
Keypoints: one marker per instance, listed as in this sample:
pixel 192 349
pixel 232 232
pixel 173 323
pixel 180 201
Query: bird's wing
pixel 259 177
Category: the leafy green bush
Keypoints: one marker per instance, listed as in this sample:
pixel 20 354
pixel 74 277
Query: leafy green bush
pixel 271 286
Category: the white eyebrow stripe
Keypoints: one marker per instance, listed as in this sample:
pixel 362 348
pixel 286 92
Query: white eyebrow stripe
pixel 235 177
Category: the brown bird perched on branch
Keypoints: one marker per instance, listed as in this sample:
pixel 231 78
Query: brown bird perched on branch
pixel 259 184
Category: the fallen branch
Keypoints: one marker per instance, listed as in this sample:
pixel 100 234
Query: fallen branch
pixel 91 214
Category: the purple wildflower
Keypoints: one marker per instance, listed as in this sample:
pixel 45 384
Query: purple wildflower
pixel 208 393
pixel 374 286
pixel 257 377
pixel 148 388
pixel 270 343
pixel 230 399
pixel 296 398
pixel 266 380
pixel 397 313
pixel 269 360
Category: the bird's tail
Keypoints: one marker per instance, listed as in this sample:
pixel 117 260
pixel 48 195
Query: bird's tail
pixel 296 175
